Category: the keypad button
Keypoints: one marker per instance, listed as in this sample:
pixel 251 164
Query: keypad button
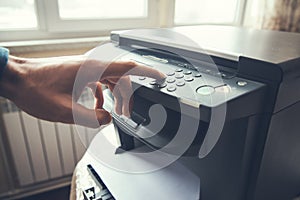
pixel 224 75
pixel 162 85
pixel 153 83
pixel 180 83
pixel 205 90
pixel 197 75
pixel 170 80
pixel 187 72
pixel 189 79
pixel 171 88
pixel 170 73
pixel 142 78
pixel 181 65
pixel 241 83
pixel 179 76
pixel 178 70
pixel 189 66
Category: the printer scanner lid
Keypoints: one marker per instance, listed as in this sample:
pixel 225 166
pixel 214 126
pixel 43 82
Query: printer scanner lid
pixel 223 41
pixel 268 55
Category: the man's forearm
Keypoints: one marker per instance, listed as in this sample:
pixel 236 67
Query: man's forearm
pixel 11 77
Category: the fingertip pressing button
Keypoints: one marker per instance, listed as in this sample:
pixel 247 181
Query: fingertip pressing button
pixel 153 83
pixel 162 85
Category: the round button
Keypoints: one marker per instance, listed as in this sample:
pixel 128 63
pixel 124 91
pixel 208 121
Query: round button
pixel 205 90
pixel 197 75
pixel 224 75
pixel 170 80
pixel 153 83
pixel 142 78
pixel 178 76
pixel 180 83
pixel 189 79
pixel 162 85
pixel 170 73
pixel 241 83
pixel 187 72
pixel 178 70
pixel 171 88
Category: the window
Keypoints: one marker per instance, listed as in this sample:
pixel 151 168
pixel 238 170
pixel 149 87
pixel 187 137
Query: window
pixel 207 11
pixel 102 9
pixel 99 15
pixel 46 19
pixel 17 14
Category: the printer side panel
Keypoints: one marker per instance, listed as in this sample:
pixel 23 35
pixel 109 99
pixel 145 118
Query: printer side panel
pixel 279 176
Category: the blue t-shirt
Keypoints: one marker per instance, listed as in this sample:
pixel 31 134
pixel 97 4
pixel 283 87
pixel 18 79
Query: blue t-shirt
pixel 3 59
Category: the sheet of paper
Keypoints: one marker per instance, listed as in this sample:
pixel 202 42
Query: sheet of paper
pixel 173 181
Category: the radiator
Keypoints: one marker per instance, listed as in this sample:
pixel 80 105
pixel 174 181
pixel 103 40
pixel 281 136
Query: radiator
pixel 44 150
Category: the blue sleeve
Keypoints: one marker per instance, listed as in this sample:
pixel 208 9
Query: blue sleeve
pixel 3 59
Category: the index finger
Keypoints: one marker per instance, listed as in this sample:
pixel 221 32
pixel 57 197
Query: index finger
pixel 121 68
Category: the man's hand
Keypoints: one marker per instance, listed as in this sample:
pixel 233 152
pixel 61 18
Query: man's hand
pixel 49 88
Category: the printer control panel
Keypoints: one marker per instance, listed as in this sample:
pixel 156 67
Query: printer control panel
pixel 189 91
pixel 193 85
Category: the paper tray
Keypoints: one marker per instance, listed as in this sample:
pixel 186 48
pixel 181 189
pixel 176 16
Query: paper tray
pixel 117 171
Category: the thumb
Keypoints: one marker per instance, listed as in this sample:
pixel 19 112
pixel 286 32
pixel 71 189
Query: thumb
pixel 103 117
pixel 97 91
pixel 92 118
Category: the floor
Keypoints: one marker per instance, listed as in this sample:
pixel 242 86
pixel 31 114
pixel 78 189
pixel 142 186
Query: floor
pixel 57 194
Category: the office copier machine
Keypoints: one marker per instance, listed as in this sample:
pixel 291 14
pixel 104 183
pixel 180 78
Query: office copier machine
pixel 228 109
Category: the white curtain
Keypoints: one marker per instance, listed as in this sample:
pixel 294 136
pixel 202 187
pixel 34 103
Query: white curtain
pixel 283 15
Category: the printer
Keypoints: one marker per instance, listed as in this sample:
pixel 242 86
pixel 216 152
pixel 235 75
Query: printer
pixel 228 111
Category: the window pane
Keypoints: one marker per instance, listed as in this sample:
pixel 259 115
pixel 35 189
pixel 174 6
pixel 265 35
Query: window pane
pixel 103 9
pixel 205 11
pixel 17 14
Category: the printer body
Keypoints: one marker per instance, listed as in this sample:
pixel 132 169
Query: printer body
pixel 235 90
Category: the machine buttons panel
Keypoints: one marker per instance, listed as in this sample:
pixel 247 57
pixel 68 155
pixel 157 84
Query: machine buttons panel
pixel 198 84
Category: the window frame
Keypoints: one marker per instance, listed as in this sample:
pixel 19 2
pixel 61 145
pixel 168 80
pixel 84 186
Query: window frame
pixel 56 24
pixel 49 26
